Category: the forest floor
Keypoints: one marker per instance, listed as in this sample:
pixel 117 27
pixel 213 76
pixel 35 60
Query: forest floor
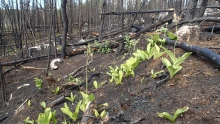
pixel 136 100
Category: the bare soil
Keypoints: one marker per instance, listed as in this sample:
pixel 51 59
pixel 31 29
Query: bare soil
pixel 197 86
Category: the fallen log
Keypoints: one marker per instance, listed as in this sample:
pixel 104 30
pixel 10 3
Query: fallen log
pixel 21 61
pixel 115 32
pixel 212 28
pixel 207 53
pixel 137 12
pixel 203 19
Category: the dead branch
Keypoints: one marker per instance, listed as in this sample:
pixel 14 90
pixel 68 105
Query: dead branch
pixel 207 53
pixel 79 69
pixel 137 12
pixel 203 19
pixel 29 67
pixel 111 33
pixel 20 61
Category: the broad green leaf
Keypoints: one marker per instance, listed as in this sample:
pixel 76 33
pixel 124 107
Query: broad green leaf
pixel 171 55
pixel 182 58
pixel 179 111
pixel 166 62
pixel 78 106
pixel 96 113
pixel 150 40
pixel 171 36
pixel 166 115
pixel 157 52
pixel 95 84
pixel 103 113
pixel 120 76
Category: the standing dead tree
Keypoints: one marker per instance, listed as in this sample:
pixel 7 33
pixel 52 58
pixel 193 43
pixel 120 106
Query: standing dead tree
pixel 65 28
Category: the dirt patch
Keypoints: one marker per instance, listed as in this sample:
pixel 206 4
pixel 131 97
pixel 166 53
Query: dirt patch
pixel 136 100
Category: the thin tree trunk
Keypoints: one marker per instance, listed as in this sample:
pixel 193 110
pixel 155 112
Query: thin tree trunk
pixel 202 8
pixel 65 28
pixel 191 9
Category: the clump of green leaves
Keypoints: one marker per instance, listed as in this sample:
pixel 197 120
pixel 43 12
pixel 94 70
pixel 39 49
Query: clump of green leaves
pixel 129 66
pixel 86 99
pixel 72 115
pixel 38 82
pixel 129 43
pixel 116 74
pixel 176 114
pixel 77 80
pixel 56 91
pixel 28 121
pixel 97 85
pixel 71 98
pixel 100 114
pixel 46 117
pixel 174 66
pixel 104 48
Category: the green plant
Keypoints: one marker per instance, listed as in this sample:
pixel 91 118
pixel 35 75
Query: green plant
pixel 129 43
pixel 58 79
pixel 101 115
pixel 43 104
pixel 28 121
pixel 97 85
pixel 86 99
pixel 38 82
pixel 104 48
pixel 129 66
pixel 116 74
pixel 56 91
pixel 65 122
pixel 29 103
pixel 142 79
pixel 176 114
pixel 46 117
pixel 77 80
pixel 156 51
pixel 174 66
pixel 73 115
pixel 154 75
pixel 71 98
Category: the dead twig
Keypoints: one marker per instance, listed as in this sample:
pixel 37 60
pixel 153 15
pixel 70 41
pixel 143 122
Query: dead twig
pixel 30 67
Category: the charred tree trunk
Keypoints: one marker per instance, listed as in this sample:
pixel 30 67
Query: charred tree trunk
pixel 65 28
pixel 191 10
pixel 202 8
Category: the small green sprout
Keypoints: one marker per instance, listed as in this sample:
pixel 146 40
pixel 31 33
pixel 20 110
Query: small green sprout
pixel 38 82
pixel 28 121
pixel 56 91
pixel 29 103
pixel 71 98
pixel 97 85
pixel 176 114
pixel 101 115
pixel 154 75
pixel 142 79
pixel 43 104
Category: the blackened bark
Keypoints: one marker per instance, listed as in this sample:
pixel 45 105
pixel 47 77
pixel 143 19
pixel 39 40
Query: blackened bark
pixel 202 8
pixel 65 28
pixel 191 9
